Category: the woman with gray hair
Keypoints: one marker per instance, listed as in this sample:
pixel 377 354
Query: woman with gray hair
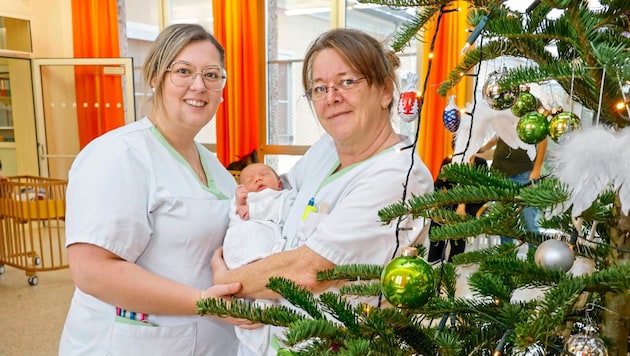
pixel 357 167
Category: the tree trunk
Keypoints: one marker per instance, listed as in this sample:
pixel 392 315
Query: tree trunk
pixel 617 313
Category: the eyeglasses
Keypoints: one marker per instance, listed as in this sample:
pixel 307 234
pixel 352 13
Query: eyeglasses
pixel 183 75
pixel 319 92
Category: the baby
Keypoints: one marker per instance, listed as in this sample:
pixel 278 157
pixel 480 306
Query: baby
pixel 256 216
pixel 255 231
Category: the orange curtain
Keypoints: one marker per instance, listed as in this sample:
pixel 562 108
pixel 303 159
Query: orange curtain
pixel 240 27
pixel 98 95
pixel 434 139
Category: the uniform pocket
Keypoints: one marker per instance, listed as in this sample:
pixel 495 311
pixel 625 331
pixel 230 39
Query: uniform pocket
pixel 133 339
pixel 308 227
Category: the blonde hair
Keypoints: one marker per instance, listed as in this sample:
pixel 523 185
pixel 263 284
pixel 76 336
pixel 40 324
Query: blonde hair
pixel 172 40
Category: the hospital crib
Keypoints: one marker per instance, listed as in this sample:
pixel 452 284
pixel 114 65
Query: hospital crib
pixel 32 225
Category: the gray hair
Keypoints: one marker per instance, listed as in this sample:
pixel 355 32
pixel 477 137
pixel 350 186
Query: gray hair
pixel 365 54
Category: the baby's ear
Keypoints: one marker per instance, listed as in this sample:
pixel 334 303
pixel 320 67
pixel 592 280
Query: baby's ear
pixel 279 183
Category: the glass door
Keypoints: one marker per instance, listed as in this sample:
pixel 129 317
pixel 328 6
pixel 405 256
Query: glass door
pixel 77 100
pixel 17 124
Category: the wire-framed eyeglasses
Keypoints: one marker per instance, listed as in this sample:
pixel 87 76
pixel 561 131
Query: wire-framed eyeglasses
pixel 183 75
pixel 319 92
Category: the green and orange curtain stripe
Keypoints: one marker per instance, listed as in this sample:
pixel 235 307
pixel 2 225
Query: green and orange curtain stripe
pixel 240 27
pixel 435 141
pixel 99 96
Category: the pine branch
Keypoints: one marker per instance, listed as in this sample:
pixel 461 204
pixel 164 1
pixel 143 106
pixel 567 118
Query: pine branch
pixel 383 323
pixel 548 319
pixel 296 295
pixel 353 272
pixel 308 329
pixel 544 193
pixel 412 29
pixel 448 279
pixel 499 288
pixel 524 274
pixel 425 205
pixel 355 347
pixel 477 256
pixel 236 308
pixel 421 340
pixel 471 175
pixel 447 343
pixel 372 289
pixel 339 308
pixel 471 59
pixel 583 38
pixel 615 279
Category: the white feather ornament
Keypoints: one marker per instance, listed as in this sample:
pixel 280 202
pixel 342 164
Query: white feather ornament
pixel 464 139
pixel 487 123
pixel 590 161
pixel 622 182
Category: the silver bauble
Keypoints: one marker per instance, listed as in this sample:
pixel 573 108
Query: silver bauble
pixel 532 350
pixel 497 97
pixel 582 266
pixel 586 343
pixel 554 254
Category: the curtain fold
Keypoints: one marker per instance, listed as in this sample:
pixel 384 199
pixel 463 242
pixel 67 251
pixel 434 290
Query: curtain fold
pixel 435 141
pixel 99 96
pixel 240 27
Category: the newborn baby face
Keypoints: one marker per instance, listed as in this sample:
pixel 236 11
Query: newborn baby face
pixel 257 176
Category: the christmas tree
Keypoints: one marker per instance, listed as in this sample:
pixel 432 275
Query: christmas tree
pixel 582 272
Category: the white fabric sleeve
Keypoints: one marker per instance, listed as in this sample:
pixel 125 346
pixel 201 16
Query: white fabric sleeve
pixel 107 199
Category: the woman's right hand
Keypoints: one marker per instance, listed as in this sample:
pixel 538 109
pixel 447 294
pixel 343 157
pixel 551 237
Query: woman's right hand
pixel 226 291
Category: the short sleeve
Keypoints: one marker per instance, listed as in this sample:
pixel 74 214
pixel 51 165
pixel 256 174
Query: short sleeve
pixel 108 198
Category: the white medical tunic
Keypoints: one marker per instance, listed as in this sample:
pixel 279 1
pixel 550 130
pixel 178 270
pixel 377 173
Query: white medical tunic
pixel 131 193
pixel 344 226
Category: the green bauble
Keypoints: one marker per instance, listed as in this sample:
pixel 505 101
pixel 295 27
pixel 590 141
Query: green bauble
pixel 561 123
pixel 532 127
pixel 525 103
pixel 407 281
pixel 284 352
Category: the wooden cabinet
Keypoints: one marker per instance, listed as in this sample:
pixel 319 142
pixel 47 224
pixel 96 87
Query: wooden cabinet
pixel 8 158
pixel 6 109
pixel 7 136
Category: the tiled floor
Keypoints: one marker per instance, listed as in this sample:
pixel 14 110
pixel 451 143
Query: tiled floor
pixel 32 317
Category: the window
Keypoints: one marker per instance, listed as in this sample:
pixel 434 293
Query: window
pixel 142 27
pixel 291 126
